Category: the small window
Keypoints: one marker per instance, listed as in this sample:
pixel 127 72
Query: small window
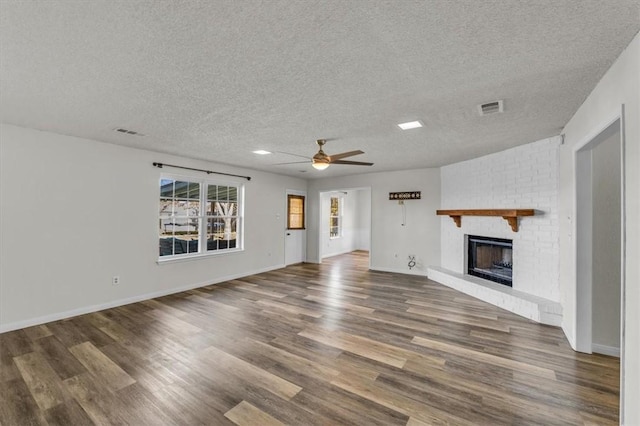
pixel 295 211
pixel 335 218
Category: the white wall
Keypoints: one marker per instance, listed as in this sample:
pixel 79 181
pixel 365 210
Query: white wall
pixel 420 235
pixel 75 212
pixel 606 250
pixel 523 177
pixel 363 224
pixel 619 86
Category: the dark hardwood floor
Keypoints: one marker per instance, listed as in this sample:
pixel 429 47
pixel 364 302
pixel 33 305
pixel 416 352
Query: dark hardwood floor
pixel 305 345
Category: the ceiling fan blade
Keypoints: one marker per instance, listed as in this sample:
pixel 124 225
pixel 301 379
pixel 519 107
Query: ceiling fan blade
pixel 295 155
pixel 353 163
pixel 344 155
pixel 293 162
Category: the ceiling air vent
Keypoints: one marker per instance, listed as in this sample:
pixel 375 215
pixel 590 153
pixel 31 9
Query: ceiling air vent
pixel 128 132
pixel 491 108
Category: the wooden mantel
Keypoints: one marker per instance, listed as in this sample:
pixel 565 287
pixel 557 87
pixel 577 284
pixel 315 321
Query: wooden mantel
pixel 510 215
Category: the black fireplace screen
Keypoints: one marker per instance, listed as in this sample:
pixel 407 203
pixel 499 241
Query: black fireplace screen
pixel 491 259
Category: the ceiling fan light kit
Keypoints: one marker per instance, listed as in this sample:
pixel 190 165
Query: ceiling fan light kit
pixel 319 166
pixel 320 161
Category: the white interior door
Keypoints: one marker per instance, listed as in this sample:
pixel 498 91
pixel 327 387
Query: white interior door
pixel 295 234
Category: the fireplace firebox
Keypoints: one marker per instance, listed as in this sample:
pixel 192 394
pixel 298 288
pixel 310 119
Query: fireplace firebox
pixel 491 259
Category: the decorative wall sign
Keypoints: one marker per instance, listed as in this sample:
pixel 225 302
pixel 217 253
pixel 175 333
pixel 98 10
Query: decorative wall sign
pixel 409 195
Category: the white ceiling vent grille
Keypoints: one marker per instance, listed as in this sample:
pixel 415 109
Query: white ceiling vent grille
pixel 127 131
pixel 491 108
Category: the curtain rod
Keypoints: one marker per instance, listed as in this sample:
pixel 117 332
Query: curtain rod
pixel 161 165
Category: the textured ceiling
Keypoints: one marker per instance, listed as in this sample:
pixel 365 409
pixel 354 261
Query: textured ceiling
pixel 215 80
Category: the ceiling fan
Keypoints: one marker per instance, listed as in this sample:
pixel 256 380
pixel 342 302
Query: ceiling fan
pixel 321 161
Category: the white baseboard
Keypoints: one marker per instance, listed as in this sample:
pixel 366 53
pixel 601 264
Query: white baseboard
pixel 324 256
pixel 606 350
pixel 570 337
pixel 126 301
pixel 399 271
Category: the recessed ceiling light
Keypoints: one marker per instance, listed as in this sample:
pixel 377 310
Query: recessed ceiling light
pixel 261 152
pixel 410 125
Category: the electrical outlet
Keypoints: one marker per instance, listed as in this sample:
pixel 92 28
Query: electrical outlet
pixel 115 280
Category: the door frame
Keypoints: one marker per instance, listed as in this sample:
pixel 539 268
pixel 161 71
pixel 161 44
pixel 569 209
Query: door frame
pixel 319 212
pixel 583 240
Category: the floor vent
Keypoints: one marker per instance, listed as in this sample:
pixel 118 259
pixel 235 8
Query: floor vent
pixel 491 108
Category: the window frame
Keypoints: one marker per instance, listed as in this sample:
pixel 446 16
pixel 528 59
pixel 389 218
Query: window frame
pixel 338 217
pixel 202 218
pixel 299 197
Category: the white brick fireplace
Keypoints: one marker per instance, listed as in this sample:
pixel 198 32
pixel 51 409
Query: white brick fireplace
pixel 525 177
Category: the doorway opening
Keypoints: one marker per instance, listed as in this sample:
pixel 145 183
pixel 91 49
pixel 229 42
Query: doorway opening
pixel 345 222
pixel 600 244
